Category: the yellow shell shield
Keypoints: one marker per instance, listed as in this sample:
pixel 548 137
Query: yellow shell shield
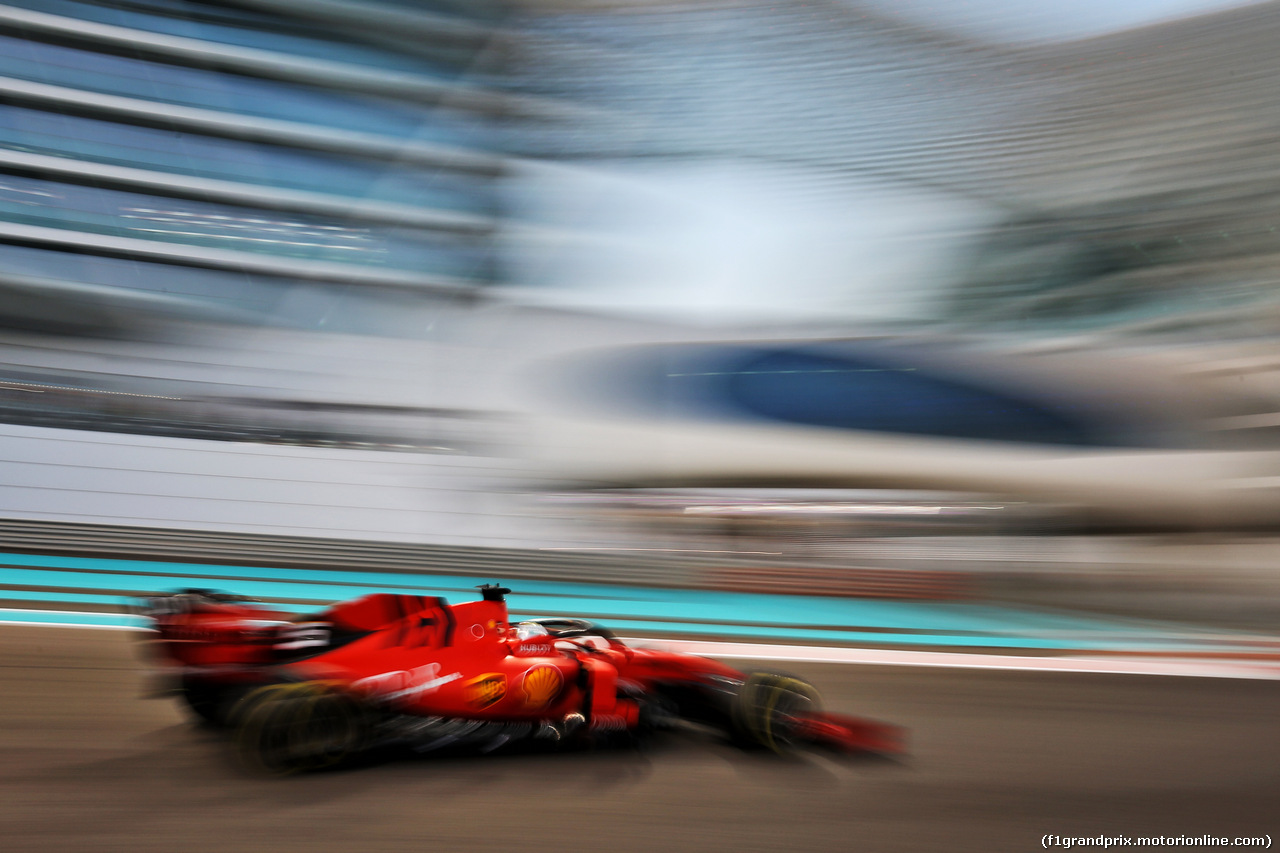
pixel 541 685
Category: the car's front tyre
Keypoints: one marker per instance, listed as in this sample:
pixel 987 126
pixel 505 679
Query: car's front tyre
pixel 768 708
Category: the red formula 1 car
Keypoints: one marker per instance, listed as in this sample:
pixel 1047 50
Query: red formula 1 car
pixel 306 693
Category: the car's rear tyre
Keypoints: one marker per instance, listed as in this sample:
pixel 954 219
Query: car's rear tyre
pixel 293 728
pixel 768 708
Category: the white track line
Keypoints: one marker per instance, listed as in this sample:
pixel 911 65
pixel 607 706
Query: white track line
pixel 91 613
pixel 1172 665
pixel 69 625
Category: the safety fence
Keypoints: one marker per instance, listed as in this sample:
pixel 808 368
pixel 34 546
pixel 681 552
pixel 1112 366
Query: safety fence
pixel 200 546
pixel 677 570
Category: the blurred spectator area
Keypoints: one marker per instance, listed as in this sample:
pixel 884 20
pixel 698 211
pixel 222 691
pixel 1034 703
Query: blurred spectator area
pixel 263 420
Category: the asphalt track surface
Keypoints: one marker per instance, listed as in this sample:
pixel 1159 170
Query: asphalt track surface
pixel 998 760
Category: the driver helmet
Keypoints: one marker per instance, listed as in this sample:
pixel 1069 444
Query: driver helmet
pixel 529 630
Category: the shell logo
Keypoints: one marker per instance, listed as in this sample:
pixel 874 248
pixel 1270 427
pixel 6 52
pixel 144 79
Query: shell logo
pixel 485 690
pixel 541 685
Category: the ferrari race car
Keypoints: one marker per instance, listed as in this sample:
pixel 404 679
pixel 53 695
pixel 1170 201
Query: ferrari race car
pixel 304 693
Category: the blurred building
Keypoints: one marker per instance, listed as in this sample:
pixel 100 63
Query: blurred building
pixel 248 245
pixel 1119 183
pixel 760 162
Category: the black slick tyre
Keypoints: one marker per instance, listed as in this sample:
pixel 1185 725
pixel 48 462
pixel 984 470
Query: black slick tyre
pixel 767 708
pixel 295 728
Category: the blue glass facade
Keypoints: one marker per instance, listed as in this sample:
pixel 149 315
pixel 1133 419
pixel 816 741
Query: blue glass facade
pixel 190 153
pixel 226 154
pixel 229 25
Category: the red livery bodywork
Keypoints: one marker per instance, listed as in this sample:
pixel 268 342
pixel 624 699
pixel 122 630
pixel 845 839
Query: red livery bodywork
pixel 302 693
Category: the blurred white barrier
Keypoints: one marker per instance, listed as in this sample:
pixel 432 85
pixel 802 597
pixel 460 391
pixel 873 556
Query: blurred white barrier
pixel 153 481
